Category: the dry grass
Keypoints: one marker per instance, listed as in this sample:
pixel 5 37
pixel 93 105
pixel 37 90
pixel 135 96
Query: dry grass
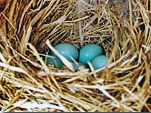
pixel 27 83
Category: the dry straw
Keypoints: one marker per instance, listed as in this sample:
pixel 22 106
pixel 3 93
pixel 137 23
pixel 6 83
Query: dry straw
pixel 29 29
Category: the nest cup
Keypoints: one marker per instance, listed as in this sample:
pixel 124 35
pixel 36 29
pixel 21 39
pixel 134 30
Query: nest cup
pixel 84 31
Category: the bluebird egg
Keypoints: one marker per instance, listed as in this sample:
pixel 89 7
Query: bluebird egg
pixel 77 65
pixel 68 51
pixel 100 61
pixel 55 61
pixel 89 52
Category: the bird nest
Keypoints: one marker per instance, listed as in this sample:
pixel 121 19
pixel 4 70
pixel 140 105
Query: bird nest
pixel 29 29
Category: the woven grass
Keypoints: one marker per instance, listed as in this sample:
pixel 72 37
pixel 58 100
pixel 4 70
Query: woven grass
pixel 29 29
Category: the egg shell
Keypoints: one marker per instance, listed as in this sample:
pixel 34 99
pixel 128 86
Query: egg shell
pixel 68 51
pixel 89 52
pixel 100 61
pixel 55 61
pixel 77 65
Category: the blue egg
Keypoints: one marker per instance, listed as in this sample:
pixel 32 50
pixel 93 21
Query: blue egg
pixel 55 61
pixel 100 62
pixel 68 51
pixel 77 65
pixel 89 52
